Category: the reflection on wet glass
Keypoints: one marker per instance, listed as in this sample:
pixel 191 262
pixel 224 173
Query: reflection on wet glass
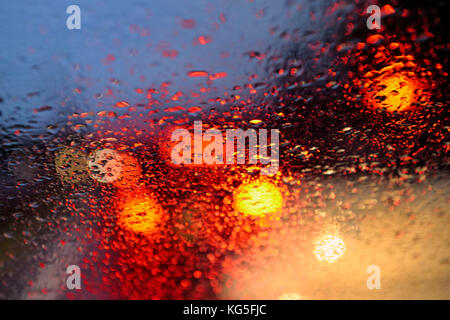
pixel 86 118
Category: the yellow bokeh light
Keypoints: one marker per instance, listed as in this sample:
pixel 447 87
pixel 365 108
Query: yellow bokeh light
pixel 328 247
pixel 258 198
pixel 140 215
pixel 70 164
pixel 394 92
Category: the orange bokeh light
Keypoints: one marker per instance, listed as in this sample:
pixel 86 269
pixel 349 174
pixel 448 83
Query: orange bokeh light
pixel 258 198
pixel 140 215
pixel 396 92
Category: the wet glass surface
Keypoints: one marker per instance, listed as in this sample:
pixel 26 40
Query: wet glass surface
pixel 86 157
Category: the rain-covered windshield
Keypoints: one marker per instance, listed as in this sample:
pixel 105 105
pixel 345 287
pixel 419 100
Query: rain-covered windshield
pixel 224 150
